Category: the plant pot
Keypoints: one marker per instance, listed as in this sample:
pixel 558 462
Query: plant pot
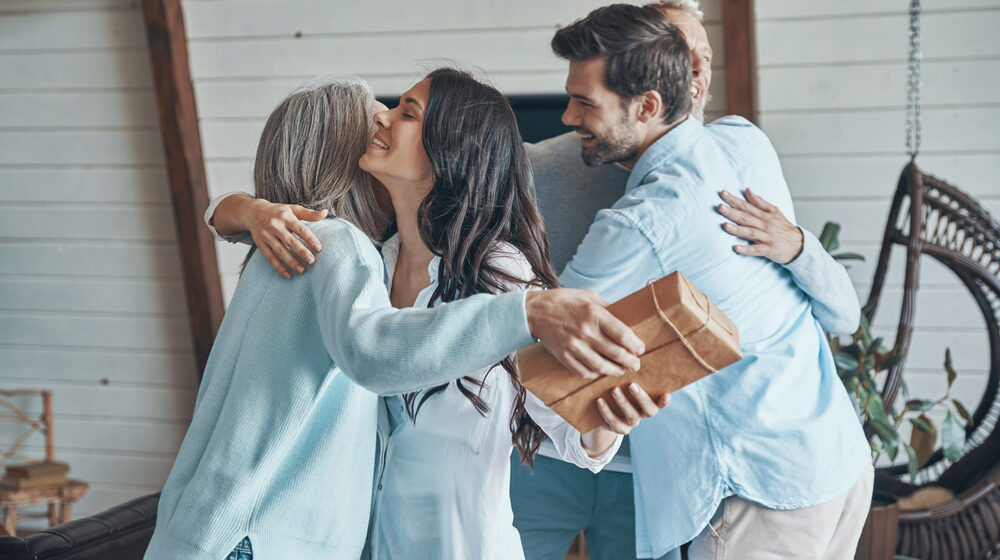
pixel 878 537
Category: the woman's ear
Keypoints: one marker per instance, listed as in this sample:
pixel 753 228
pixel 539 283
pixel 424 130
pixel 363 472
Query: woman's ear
pixel 650 106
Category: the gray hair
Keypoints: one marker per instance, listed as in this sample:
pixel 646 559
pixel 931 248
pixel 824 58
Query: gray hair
pixel 309 151
pixel 692 7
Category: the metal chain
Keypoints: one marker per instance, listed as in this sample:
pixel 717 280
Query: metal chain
pixel 913 83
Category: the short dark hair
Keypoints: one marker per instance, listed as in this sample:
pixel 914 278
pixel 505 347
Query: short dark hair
pixel 643 50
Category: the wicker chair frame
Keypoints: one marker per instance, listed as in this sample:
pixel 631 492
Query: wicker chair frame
pixel 931 217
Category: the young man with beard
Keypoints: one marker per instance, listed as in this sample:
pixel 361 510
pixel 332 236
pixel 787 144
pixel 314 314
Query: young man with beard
pixel 771 434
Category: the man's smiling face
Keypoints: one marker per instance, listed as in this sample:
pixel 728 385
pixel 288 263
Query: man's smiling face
pixel 607 129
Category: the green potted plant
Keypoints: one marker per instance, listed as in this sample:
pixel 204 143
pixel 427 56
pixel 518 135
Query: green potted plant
pixel 862 363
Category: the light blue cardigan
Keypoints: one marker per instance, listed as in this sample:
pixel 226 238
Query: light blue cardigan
pixel 282 443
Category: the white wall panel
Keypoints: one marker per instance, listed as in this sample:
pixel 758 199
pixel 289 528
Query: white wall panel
pixel 875 38
pixel 126 331
pixel 96 366
pixel 88 146
pixel 46 31
pixel 91 301
pixel 960 83
pixel 133 184
pixel 70 70
pixel 855 177
pixel 950 131
pixel 61 109
pixel 75 259
pixel 831 89
pixel 797 9
pixel 114 295
pixel 91 222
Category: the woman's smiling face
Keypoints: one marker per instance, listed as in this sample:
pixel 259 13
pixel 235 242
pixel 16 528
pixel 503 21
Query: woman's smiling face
pixel 396 154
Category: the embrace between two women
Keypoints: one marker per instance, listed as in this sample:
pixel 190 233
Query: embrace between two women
pixel 281 448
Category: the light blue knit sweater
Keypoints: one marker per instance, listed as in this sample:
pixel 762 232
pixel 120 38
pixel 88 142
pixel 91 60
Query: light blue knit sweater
pixel 282 443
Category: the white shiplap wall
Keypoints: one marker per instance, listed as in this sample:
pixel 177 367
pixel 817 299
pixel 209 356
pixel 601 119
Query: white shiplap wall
pixel 832 85
pixel 91 300
pixel 247 55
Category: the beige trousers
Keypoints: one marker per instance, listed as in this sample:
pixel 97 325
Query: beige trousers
pixel 746 531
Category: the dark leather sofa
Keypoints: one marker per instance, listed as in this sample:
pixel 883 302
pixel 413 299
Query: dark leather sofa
pixel 120 533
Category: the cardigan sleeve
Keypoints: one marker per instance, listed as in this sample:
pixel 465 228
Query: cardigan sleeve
pixel 388 350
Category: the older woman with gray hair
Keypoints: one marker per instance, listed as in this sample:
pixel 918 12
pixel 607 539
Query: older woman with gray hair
pixel 279 456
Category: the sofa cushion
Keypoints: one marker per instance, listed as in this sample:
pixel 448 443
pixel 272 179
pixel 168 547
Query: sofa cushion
pixel 121 533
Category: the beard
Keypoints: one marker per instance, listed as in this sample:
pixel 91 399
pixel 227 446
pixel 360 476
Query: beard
pixel 698 106
pixel 620 144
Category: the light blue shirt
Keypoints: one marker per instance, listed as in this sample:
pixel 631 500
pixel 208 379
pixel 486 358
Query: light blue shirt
pixel 776 428
pixel 281 447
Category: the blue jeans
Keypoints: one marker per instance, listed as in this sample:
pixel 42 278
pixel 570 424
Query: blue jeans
pixel 242 551
pixel 558 500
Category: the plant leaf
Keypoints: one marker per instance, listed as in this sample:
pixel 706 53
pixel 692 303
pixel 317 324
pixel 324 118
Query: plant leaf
pixel 962 411
pixel 913 462
pixel 906 389
pixel 891 361
pixel 876 406
pixel 865 330
pixel 888 435
pixel 919 405
pixel 924 424
pixel 828 238
pixel 952 437
pixel 852 384
pixel 952 374
pixel 875 345
pixel 849 257
pixel 845 362
pixel 923 439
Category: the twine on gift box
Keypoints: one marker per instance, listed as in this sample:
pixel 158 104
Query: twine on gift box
pixel 681 337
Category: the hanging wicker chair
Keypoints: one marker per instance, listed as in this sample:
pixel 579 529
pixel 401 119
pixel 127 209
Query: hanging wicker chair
pixel 930 217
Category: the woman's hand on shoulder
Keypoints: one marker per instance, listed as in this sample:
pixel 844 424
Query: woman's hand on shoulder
pixel 281 236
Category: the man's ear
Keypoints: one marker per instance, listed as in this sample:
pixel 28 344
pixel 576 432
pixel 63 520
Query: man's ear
pixel 650 106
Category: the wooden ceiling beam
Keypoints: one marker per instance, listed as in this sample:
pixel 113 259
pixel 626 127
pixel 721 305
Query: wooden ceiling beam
pixel 186 170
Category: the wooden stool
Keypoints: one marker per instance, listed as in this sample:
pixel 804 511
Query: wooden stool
pixel 59 497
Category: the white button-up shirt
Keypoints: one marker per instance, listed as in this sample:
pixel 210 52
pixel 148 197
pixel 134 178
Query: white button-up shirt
pixel 442 486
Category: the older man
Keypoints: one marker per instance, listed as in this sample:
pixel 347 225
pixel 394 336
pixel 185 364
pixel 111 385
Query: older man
pixel 554 502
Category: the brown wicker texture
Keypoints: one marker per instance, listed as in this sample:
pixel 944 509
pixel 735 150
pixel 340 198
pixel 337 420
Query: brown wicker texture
pixel 930 217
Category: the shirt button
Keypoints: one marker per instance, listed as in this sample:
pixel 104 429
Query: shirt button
pixel 379 486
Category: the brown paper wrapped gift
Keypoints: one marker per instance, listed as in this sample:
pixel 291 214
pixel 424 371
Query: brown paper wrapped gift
pixel 687 337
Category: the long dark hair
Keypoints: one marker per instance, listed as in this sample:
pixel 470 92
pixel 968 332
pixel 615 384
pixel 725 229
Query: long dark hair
pixel 483 196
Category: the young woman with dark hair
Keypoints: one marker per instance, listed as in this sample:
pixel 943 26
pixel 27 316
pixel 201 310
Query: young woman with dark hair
pixel 451 159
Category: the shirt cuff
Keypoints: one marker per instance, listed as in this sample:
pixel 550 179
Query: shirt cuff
pixel 804 262
pixel 242 237
pixel 577 455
